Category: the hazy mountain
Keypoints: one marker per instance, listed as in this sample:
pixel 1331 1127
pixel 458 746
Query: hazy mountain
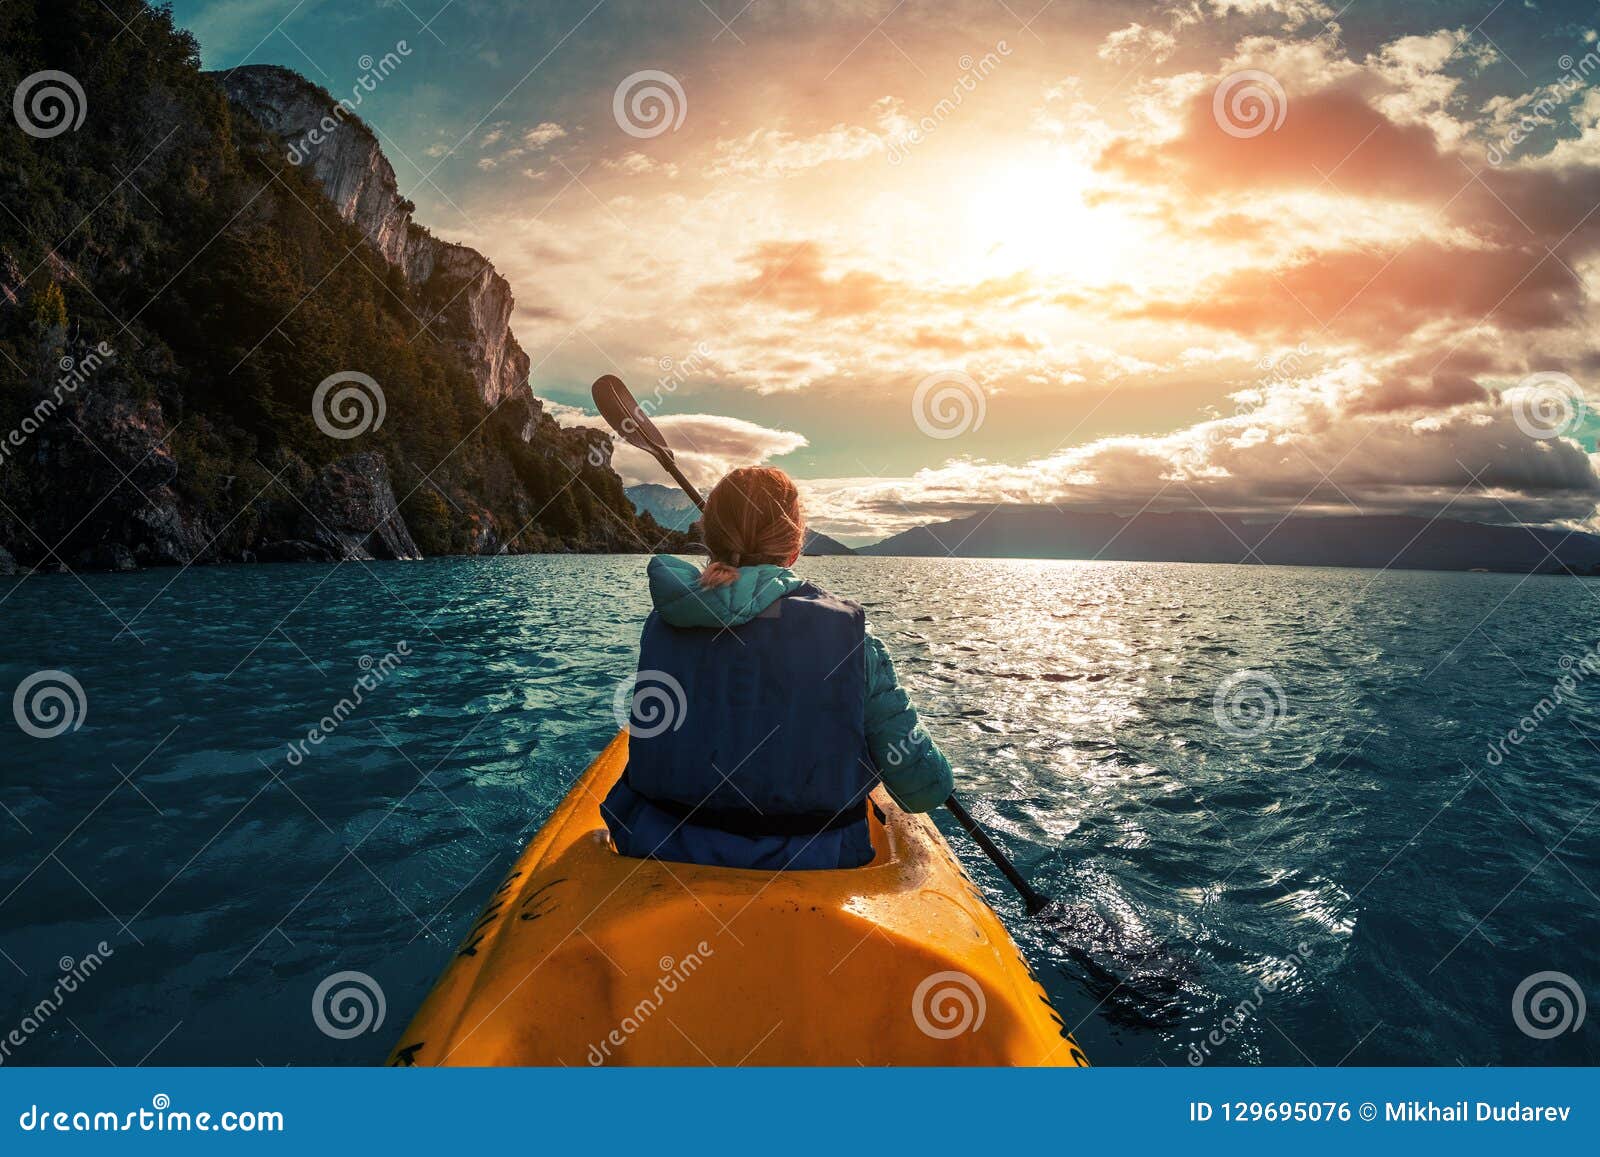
pixel 669 506
pixel 1357 541
pixel 672 510
pixel 819 543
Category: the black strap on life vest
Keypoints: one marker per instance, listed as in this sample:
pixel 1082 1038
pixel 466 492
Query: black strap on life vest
pixel 754 825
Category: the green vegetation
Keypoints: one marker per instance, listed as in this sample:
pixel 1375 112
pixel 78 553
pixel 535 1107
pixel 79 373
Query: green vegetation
pixel 172 228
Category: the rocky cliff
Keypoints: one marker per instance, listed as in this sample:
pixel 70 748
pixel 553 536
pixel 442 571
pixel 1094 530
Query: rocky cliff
pixel 345 156
pixel 178 296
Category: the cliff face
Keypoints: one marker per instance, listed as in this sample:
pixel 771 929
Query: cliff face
pixel 348 162
pixel 167 344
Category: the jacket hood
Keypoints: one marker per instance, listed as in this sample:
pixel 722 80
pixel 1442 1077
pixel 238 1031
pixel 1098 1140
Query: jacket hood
pixel 681 601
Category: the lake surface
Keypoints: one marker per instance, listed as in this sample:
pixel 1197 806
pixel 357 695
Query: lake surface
pixel 1345 859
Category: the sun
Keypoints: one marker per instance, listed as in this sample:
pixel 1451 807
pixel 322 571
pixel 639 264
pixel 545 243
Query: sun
pixel 1051 218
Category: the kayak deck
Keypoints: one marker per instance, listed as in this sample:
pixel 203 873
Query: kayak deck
pixel 583 956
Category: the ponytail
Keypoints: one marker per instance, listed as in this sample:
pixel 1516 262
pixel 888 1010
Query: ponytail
pixel 718 574
pixel 752 517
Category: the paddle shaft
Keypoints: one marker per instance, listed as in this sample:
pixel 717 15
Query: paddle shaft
pixel 688 487
pixel 622 411
pixel 1035 903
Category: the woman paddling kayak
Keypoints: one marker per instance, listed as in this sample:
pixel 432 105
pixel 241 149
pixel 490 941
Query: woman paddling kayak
pixel 787 713
pixel 787 710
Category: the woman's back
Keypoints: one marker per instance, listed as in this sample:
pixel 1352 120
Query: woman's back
pixel 784 711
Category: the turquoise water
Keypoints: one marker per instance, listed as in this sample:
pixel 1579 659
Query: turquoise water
pixel 1342 874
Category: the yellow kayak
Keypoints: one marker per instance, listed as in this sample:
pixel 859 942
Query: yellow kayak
pixel 585 957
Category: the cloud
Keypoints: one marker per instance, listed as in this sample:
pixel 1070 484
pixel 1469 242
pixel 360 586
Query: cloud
pixel 543 134
pixel 775 152
pixel 1492 245
pixel 706 446
pixel 636 164
pixel 792 276
pixel 1293 13
pixel 1100 253
pixel 1137 44
pixel 1303 451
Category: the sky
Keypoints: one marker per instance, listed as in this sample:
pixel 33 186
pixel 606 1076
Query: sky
pixel 1260 257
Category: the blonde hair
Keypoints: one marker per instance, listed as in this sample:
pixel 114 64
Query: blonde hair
pixel 752 517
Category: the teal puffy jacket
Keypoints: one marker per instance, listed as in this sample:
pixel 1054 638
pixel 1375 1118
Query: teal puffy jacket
pixel 914 770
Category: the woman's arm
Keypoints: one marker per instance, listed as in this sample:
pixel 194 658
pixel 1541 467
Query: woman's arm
pixel 914 770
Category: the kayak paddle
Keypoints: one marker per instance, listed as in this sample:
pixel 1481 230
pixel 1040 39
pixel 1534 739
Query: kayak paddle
pixel 618 407
pixel 624 415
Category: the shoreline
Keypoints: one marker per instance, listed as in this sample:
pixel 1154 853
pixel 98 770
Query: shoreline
pixel 20 572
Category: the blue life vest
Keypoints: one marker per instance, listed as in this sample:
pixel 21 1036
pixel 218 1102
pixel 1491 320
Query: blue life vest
pixel 747 745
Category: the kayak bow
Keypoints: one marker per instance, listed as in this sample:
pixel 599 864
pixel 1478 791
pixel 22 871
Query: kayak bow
pixel 583 956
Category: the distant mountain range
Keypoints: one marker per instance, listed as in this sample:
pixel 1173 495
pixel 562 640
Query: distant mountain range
pixel 672 510
pixel 1357 541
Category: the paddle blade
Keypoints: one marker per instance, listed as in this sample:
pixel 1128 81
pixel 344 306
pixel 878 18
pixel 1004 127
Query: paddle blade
pixel 624 415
